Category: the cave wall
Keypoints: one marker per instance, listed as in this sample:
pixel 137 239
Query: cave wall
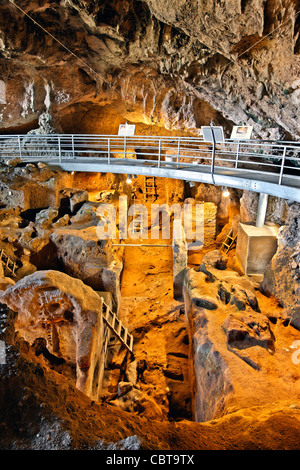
pixel 166 66
pixel 281 277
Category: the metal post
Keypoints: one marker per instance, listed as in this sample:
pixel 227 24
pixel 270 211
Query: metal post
pixel 73 149
pixel 178 150
pixel 108 150
pixel 125 144
pixel 59 149
pixel 282 165
pixel 20 149
pixel 261 210
pixel 159 152
pixel 237 155
pixel 213 156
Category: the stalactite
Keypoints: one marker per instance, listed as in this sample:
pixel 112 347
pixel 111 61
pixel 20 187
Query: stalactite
pixel 28 102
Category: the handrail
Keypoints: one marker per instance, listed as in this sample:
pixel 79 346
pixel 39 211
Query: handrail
pixel 271 162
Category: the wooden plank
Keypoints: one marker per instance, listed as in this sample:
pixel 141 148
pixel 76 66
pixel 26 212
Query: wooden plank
pixel 117 327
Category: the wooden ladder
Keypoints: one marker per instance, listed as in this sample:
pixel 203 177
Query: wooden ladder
pixel 228 242
pixel 138 225
pixel 150 188
pixel 8 264
pixel 117 327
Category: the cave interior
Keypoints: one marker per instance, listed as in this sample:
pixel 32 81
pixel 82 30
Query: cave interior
pixel 117 330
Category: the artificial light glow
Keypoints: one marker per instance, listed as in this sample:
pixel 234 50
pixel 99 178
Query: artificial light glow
pixel 130 178
pixel 225 192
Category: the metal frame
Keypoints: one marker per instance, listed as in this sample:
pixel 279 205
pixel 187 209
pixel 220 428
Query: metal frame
pixel 262 166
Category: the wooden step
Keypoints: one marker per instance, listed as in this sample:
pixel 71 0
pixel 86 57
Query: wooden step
pixel 8 264
pixel 228 242
pixel 117 328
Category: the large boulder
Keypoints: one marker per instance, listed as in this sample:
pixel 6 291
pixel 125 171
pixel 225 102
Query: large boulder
pixel 65 316
pixel 240 348
pixel 86 257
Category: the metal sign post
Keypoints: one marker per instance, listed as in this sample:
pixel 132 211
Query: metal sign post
pixel 213 134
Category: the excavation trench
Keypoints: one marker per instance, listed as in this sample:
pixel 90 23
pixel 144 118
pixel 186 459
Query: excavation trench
pixel 202 331
pixel 162 384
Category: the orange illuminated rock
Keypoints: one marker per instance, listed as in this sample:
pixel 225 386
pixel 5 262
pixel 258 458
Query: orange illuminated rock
pixel 67 314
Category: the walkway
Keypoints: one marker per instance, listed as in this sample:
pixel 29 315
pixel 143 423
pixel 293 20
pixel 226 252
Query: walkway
pixel 261 166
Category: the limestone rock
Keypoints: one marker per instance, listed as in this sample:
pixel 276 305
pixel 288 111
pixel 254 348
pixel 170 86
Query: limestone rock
pixel 67 314
pixel 86 257
pixel 241 297
pixel 179 263
pixel 225 364
pixel 10 217
pixel 205 302
pixel 187 47
pixel 247 330
pixel 45 217
pixel 280 278
pixel 5 283
pixel 123 388
pixel 62 222
pixel 78 199
pixel 215 259
pixel 132 373
pixel 87 214
pixel 44 125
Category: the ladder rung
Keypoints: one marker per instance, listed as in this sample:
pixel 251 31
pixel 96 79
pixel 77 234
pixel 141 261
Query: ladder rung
pixel 117 327
pixel 125 335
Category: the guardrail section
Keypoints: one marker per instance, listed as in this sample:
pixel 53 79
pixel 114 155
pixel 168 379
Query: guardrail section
pixel 275 162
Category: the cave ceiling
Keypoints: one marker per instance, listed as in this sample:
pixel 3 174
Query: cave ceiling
pixel 169 66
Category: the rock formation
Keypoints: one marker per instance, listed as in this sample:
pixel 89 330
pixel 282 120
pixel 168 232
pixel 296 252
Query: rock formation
pixel 193 359
pixel 281 277
pixel 60 315
pixel 236 341
pixel 210 344
pixel 174 65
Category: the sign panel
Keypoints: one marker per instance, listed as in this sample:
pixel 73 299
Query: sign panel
pixel 126 130
pixel 213 133
pixel 241 132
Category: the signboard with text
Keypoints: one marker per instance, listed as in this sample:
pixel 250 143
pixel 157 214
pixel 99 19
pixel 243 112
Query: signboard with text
pixel 126 130
pixel 241 132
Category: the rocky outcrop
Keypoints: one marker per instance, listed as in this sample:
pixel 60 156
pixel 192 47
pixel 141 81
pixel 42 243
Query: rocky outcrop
pixel 61 318
pixel 33 186
pixel 84 256
pixel 281 277
pixel 236 341
pixel 162 65
pixel 46 224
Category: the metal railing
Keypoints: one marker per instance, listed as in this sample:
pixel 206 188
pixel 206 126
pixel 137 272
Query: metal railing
pixel 278 162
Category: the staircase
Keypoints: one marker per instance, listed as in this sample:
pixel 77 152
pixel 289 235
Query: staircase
pixel 8 265
pixel 228 242
pixel 117 327
pixel 150 188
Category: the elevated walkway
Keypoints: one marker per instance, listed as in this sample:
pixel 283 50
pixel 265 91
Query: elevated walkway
pixel 266 167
